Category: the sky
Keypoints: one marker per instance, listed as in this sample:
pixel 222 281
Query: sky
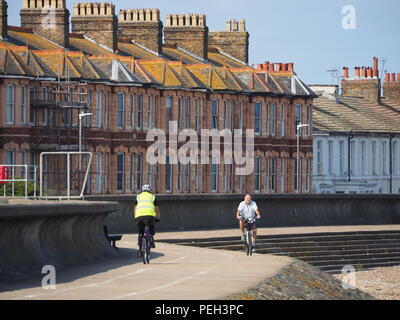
pixel 309 33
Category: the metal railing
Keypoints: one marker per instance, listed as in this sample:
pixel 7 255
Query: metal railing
pixel 13 180
pixel 68 155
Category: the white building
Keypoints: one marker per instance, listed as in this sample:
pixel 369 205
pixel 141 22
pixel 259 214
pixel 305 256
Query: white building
pixel 356 143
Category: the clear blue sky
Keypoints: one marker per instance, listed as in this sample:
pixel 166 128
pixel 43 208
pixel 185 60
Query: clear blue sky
pixel 307 32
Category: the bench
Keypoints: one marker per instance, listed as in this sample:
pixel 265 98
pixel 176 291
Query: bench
pixel 112 238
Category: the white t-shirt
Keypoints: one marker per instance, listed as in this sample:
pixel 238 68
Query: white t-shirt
pixel 249 211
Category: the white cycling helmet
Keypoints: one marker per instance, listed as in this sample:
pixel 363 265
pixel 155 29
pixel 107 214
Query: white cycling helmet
pixel 146 187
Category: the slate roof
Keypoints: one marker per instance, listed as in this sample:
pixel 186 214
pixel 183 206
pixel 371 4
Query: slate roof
pixel 357 115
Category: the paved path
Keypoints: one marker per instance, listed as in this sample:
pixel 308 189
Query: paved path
pixel 176 273
pixel 272 231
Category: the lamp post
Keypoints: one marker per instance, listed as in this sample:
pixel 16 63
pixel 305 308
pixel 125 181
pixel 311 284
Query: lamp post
pixel 81 115
pixel 299 127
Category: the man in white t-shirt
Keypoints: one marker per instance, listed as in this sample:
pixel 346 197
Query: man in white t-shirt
pixel 246 210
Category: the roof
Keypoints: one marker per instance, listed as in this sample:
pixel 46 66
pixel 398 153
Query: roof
pixel 356 115
pixel 25 53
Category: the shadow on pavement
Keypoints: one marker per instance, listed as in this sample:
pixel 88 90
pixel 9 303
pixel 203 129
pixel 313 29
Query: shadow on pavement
pixel 125 258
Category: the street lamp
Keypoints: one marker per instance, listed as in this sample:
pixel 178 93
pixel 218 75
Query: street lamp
pixel 299 127
pixel 81 115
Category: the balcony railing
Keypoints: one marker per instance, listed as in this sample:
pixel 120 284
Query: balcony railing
pixel 54 100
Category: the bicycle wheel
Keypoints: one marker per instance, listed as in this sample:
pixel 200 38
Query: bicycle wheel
pixel 249 243
pixel 144 250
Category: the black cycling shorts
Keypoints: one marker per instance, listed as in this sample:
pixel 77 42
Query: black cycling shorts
pixel 141 223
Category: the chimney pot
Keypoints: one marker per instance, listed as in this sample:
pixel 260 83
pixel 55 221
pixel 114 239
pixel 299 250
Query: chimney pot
pixel 376 67
pixel 364 72
pixel 393 77
pixel 387 79
pixel 369 70
pixel 357 72
pixel 346 72
pixel 398 77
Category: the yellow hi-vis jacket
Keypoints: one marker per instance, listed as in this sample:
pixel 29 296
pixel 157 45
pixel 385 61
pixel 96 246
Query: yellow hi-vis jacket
pixel 145 205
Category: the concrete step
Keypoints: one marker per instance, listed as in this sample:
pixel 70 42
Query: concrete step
pixel 339 251
pixel 335 269
pixel 326 260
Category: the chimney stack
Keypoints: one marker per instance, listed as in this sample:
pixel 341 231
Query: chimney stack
pixel 97 21
pixel 189 32
pixel 391 87
pixel 233 41
pixel 49 19
pixel 366 84
pixel 143 26
pixel 376 67
pixel 3 19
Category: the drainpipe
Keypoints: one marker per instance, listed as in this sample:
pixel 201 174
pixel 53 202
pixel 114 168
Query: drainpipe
pixel 391 162
pixel 349 156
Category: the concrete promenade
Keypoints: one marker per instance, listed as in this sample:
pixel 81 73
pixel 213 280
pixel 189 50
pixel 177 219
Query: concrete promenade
pixel 175 272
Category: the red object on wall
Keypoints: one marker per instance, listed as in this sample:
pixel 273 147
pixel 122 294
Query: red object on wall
pixel 4 174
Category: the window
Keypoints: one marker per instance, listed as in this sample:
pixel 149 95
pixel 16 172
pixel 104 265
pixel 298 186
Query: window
pixel 196 114
pixel 23 161
pixel 88 103
pixel 257 118
pixel 257 174
pixel 198 176
pixel 226 177
pixel 214 174
pixel 308 178
pixel 132 179
pixel 353 157
pixel 121 111
pixel 319 157
pixel 168 174
pixel 283 120
pixel 214 114
pixel 384 158
pixel 232 115
pixel 330 157
pixel 139 169
pixel 283 175
pixel 150 169
pixel 241 115
pixel 268 120
pixel 298 174
pixel 139 117
pixel 23 104
pixel 341 158
pixel 106 110
pixel 10 104
pixel 268 174
pixel 180 113
pixel 374 158
pixel 31 110
pixel 364 157
pixel 298 117
pixel 32 162
pixel 187 177
pixel 395 158
pixel 273 174
pixel 132 110
pixel 99 98
pixel 168 111
pixel 150 112
pixel 99 173
pixel 273 128
pixel 309 119
pixel 120 172
pixel 179 186
pixel 105 178
pixel 225 115
pixel 187 113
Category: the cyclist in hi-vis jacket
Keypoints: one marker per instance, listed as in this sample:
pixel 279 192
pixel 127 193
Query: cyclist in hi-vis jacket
pixel 146 208
pixel 246 210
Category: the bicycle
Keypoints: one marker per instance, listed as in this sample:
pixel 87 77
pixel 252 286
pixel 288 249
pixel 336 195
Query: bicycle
pixel 145 243
pixel 248 242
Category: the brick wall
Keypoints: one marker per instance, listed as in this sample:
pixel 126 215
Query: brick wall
pixel 367 88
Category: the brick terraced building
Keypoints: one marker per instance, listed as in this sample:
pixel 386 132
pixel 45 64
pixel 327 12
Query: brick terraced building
pixel 121 70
